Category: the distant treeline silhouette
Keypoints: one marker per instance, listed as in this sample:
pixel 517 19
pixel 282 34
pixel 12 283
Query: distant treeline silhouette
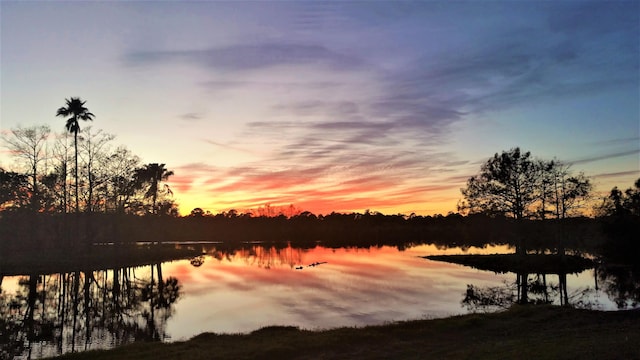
pixel 21 230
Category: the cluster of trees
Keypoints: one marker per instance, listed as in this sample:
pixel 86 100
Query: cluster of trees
pixel 621 214
pixel 86 173
pixel 621 203
pixel 513 184
pixel 516 185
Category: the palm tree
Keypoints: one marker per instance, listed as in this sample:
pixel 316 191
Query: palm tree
pixel 153 174
pixel 74 111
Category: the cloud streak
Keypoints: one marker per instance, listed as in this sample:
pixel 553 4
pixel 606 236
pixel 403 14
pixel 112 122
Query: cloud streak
pixel 243 57
pixel 605 157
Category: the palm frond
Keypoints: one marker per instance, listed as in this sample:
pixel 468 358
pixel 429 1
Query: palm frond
pixel 63 111
pixel 72 125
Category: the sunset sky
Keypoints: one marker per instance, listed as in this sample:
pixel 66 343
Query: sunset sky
pixel 333 106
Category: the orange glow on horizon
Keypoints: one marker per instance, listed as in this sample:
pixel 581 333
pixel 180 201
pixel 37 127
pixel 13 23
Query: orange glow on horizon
pixel 217 193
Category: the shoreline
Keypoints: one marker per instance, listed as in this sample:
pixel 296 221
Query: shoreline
pixel 523 331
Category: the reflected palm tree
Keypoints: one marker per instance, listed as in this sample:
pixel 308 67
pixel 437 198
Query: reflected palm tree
pixel 74 111
pixel 161 295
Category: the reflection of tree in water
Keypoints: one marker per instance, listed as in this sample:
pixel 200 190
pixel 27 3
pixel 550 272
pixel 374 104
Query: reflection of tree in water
pixel 526 289
pixel 621 283
pixel 61 313
pixel 488 298
pixel 265 257
pixel 197 261
pixel 160 294
pixel 268 257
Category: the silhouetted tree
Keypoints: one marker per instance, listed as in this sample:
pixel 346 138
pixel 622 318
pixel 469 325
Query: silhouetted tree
pixel 563 190
pixel 507 185
pixel 122 169
pixel 28 145
pixel 60 153
pixel 13 189
pixel 620 214
pixel 197 212
pixel 152 175
pixel 95 159
pixel 621 203
pixel 74 111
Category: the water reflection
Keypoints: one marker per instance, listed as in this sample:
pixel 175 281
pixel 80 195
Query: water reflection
pixel 621 283
pixel 47 315
pixel 229 290
pixel 528 289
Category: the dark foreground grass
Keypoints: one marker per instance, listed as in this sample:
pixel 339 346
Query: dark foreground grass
pixel 522 332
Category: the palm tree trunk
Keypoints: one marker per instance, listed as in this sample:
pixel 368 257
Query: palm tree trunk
pixel 75 143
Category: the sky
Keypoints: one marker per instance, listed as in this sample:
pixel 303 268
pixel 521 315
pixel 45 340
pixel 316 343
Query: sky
pixel 333 106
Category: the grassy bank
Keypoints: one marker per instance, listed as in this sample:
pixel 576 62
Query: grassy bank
pixel 524 332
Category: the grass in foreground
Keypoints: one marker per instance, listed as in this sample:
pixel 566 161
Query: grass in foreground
pixel 522 332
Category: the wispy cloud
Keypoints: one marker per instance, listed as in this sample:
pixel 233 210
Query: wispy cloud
pixel 285 86
pixel 635 140
pixel 618 174
pixel 605 157
pixel 241 57
pixel 227 146
pixel 192 116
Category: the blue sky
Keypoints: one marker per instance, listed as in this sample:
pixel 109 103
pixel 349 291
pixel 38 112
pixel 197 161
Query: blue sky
pixel 342 106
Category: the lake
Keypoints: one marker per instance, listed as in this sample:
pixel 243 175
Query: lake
pixel 244 290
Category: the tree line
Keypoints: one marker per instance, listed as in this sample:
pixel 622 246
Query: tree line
pixel 82 172
pixel 87 173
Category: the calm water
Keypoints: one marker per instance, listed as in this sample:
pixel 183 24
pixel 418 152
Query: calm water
pixel 243 291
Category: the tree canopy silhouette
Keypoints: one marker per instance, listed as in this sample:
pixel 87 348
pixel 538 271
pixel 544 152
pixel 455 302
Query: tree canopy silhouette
pixel 152 174
pixel 506 185
pixel 13 189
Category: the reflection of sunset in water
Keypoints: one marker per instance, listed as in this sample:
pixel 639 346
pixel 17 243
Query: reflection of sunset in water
pixel 238 290
pixel 323 287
